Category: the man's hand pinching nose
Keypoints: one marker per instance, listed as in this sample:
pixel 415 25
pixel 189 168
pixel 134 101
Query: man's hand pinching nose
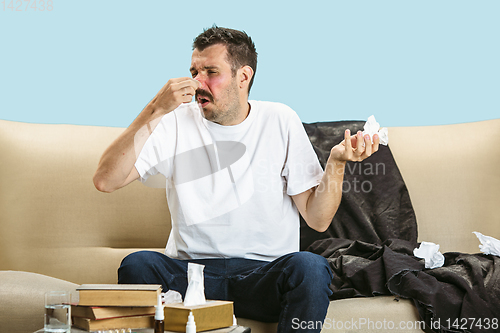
pixel 196 85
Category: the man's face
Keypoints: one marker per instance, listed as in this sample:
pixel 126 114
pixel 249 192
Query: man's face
pixel 218 94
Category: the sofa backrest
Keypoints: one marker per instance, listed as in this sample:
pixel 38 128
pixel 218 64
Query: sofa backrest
pixel 453 176
pixel 54 222
pixel 52 219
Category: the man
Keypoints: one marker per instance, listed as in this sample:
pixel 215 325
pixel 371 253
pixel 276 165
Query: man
pixel 238 173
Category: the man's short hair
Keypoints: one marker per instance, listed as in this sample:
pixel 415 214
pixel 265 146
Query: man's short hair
pixel 240 47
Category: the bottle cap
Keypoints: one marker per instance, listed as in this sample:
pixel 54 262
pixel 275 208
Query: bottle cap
pixel 191 325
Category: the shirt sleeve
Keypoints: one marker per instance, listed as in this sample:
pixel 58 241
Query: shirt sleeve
pixel 302 169
pixel 156 154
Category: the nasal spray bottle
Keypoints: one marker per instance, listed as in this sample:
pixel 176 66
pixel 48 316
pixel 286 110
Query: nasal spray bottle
pixel 159 316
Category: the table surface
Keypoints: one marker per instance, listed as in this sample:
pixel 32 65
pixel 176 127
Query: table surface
pixel 231 329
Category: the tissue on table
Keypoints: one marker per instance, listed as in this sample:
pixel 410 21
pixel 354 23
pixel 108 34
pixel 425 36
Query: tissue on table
pixel 171 296
pixel 489 245
pixel 371 127
pixel 195 293
pixel 430 252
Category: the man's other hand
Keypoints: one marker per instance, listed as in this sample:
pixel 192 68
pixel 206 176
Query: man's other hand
pixel 355 148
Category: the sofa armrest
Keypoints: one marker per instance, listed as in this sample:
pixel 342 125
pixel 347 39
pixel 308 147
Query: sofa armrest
pixel 22 299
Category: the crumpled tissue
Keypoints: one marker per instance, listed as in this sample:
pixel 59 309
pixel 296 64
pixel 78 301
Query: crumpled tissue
pixel 195 293
pixel 371 127
pixel 171 296
pixel 430 252
pixel 489 245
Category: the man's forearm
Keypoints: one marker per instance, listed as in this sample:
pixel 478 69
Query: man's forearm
pixel 119 158
pixel 115 168
pixel 323 202
pixel 325 199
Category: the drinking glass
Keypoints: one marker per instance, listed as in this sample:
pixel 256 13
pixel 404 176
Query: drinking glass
pixel 57 312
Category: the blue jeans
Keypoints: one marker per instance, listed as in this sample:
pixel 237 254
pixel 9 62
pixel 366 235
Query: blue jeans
pixel 292 290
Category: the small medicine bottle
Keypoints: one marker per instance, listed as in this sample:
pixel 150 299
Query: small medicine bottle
pixel 159 317
pixel 190 325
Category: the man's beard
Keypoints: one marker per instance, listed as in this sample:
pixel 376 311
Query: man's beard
pixel 220 112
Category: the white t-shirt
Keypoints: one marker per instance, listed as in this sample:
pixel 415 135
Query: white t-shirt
pixel 228 187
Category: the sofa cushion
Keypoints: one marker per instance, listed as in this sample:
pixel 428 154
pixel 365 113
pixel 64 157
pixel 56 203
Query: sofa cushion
pixel 22 299
pixel 372 315
pixel 359 315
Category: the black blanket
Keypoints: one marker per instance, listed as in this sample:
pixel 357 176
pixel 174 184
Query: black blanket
pixel 370 243
pixel 375 202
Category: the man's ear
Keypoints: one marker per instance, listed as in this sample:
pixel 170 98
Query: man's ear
pixel 245 76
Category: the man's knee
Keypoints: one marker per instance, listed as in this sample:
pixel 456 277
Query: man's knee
pixel 311 266
pixel 141 259
pixel 133 267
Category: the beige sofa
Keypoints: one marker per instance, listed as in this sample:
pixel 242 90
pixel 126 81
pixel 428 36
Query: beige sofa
pixel 57 230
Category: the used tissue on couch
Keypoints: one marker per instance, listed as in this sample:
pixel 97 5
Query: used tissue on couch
pixel 489 245
pixel 430 252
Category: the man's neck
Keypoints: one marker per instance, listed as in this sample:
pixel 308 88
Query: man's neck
pixel 241 116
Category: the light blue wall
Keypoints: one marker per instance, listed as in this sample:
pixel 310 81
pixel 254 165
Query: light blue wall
pixel 418 62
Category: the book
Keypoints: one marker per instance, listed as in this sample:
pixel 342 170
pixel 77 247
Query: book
pixel 118 294
pixel 106 312
pixel 133 322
